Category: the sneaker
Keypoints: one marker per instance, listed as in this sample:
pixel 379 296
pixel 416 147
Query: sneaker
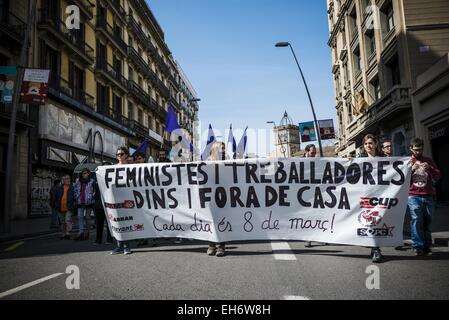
pixel 211 251
pixel 220 252
pixel 418 252
pixel 428 252
pixel 308 244
pixel 117 250
pixel 127 251
pixel 376 256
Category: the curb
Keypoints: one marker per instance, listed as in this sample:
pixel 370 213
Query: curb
pixel 27 235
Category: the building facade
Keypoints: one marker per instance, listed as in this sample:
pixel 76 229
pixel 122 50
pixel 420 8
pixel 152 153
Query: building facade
pixel 379 47
pixel 111 81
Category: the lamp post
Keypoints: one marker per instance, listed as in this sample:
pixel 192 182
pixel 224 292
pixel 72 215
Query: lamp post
pixel 287 44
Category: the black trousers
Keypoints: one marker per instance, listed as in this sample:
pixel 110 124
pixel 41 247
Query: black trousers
pixel 221 244
pixel 100 217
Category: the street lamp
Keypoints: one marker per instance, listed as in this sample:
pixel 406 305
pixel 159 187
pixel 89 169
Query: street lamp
pixel 287 44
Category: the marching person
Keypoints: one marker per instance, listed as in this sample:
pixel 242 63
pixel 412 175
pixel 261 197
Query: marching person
pixel 217 153
pixel 370 150
pixel 122 246
pixel 100 216
pixel 55 223
pixel 84 196
pixel 387 149
pixel 420 200
pixel 64 204
pixel 141 158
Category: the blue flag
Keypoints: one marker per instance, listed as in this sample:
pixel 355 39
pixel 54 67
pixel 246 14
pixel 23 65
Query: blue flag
pixel 210 141
pixel 171 124
pixel 142 148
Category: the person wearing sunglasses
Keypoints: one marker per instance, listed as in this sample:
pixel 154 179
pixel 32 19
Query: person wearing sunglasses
pixel 122 155
pixel 387 149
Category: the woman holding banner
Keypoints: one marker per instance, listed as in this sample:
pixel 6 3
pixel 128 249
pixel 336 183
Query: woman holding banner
pixel 371 150
pixel 217 153
pixel 122 157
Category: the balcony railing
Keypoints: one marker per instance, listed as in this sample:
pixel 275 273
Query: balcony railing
pixel 113 114
pixel 14 26
pixel 135 57
pixel 75 38
pixel 77 94
pixel 139 128
pixel 111 72
pixel 139 93
pixel 137 29
pixel 86 6
pixel 115 4
pixel 115 36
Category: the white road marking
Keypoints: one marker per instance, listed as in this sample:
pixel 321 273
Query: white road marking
pixel 296 298
pixel 28 285
pixel 282 246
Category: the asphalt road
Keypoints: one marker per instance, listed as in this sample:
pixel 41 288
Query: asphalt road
pixel 256 270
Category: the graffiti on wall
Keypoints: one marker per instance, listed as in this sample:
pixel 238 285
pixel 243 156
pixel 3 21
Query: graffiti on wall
pixel 41 184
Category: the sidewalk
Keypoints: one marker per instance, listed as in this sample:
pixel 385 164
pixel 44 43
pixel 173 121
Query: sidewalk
pixel 21 229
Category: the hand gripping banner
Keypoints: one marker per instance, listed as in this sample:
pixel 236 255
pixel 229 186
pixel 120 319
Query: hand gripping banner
pixel 343 201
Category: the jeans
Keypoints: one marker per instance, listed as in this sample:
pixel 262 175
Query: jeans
pixel 54 217
pixel 83 219
pixel 420 210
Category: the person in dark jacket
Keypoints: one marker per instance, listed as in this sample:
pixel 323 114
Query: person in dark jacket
pixel 55 223
pixel 84 196
pixel 100 216
pixel 65 204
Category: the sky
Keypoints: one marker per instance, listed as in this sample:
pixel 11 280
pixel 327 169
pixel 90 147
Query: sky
pixel 226 48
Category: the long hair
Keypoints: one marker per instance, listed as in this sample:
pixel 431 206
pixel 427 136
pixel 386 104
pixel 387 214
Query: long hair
pixel 376 142
pixel 215 152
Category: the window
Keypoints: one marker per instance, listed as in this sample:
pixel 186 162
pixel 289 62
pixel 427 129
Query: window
pixel 130 111
pixel 349 108
pixel 102 98
pixel 353 23
pixel 139 116
pixel 49 60
pixel 387 17
pixel 370 43
pixel 130 73
pixel 394 72
pixel 375 89
pixel 357 60
pixel 117 105
pixel 76 76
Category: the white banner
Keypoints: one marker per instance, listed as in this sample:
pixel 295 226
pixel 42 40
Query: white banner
pixel 358 202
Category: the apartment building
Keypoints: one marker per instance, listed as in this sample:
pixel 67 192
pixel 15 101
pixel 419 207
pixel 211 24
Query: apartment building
pixel 111 80
pixel 379 47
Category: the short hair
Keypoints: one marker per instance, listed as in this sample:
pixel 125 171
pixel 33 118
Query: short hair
pixel 309 146
pixel 140 154
pixel 416 142
pixel 386 140
pixel 123 149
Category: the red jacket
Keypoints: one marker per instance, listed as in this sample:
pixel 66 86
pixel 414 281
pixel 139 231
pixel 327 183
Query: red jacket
pixel 422 180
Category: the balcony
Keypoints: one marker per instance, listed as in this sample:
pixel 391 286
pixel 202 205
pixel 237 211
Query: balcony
pixel 396 101
pixel 165 92
pixel 137 30
pixel 139 129
pixel 139 93
pixel 135 58
pixel 111 74
pixel 13 27
pixel 117 7
pixel 72 39
pixel 23 116
pixel 75 97
pixel 86 7
pixel 117 117
pixel 113 36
